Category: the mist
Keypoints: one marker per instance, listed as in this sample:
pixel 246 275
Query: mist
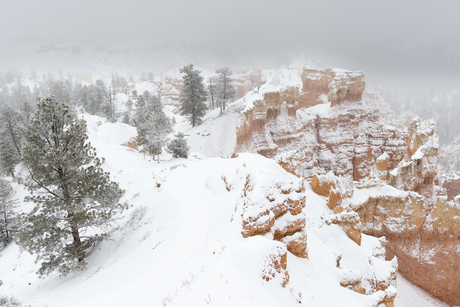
pixel 388 40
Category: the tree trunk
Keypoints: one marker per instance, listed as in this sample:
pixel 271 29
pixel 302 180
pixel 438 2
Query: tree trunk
pixel 7 240
pixel 77 243
pixel 74 229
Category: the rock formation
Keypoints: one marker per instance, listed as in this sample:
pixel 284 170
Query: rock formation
pixel 422 227
pixel 420 224
pixel 452 185
pixel 338 85
pixel 276 264
pixel 419 170
pixel 342 133
pixel 379 179
pixel 276 208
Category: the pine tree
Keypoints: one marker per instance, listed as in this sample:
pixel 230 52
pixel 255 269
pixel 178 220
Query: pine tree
pixel 9 158
pixel 225 88
pixel 152 134
pixel 129 104
pixel 193 95
pixel 140 112
pixel 10 120
pixel 178 147
pixel 154 104
pixel 70 190
pixel 212 91
pixel 8 221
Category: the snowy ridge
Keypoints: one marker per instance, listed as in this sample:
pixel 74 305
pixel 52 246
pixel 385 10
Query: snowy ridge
pixel 181 245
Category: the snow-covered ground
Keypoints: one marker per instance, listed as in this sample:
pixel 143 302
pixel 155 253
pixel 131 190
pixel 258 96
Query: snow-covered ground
pixel 180 244
pixel 410 295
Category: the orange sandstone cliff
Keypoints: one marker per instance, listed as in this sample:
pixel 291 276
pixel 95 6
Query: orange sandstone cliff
pixel 325 126
pixel 330 124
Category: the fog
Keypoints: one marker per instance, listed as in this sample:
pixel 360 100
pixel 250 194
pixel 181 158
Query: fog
pixel 385 39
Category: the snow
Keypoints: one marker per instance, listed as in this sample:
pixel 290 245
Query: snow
pixel 362 195
pixel 180 244
pixel 410 295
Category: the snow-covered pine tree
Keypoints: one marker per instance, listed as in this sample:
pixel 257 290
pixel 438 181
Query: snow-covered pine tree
pixel 212 91
pixel 152 134
pixel 108 110
pixel 10 152
pixel 178 147
pixel 10 120
pixel 225 88
pixel 129 104
pixel 9 157
pixel 141 111
pixel 193 95
pixel 8 221
pixel 154 104
pixel 70 190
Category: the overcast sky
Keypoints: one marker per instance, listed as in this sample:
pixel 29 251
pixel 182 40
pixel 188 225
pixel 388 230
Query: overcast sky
pixel 407 37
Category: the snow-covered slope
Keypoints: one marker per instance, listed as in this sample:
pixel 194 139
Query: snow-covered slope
pixel 180 244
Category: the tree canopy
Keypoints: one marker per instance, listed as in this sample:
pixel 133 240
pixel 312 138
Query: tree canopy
pixel 193 95
pixel 75 200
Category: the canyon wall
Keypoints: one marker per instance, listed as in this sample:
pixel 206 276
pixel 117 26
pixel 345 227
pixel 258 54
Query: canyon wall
pixel 329 125
pixel 326 126
pixel 421 226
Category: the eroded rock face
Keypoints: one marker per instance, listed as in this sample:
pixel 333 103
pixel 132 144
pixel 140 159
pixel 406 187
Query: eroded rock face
pixel 390 212
pixel 452 186
pixel 330 126
pixel 418 171
pixel 276 264
pixel 350 223
pixel 338 85
pixel 271 206
pixel 382 287
pixel 426 244
pixel 336 135
pixel 276 208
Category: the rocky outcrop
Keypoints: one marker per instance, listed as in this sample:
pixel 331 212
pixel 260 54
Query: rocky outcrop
pixel 334 135
pixel 349 221
pixel 337 85
pixel 131 143
pixel 452 186
pixel 276 264
pixel 276 208
pixel 389 212
pixel 421 226
pixel 418 171
pixel 426 244
pixel 339 191
pixel 328 128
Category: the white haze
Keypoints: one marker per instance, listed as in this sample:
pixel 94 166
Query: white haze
pixel 393 39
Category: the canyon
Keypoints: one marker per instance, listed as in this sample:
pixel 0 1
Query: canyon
pixel 387 180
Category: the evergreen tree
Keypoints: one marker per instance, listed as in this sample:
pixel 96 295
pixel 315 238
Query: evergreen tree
pixel 212 91
pixel 154 104
pixel 178 147
pixel 70 190
pixel 225 88
pixel 152 134
pixel 125 119
pixel 193 95
pixel 108 111
pixel 129 104
pixel 9 157
pixel 9 123
pixel 8 221
pixel 140 112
